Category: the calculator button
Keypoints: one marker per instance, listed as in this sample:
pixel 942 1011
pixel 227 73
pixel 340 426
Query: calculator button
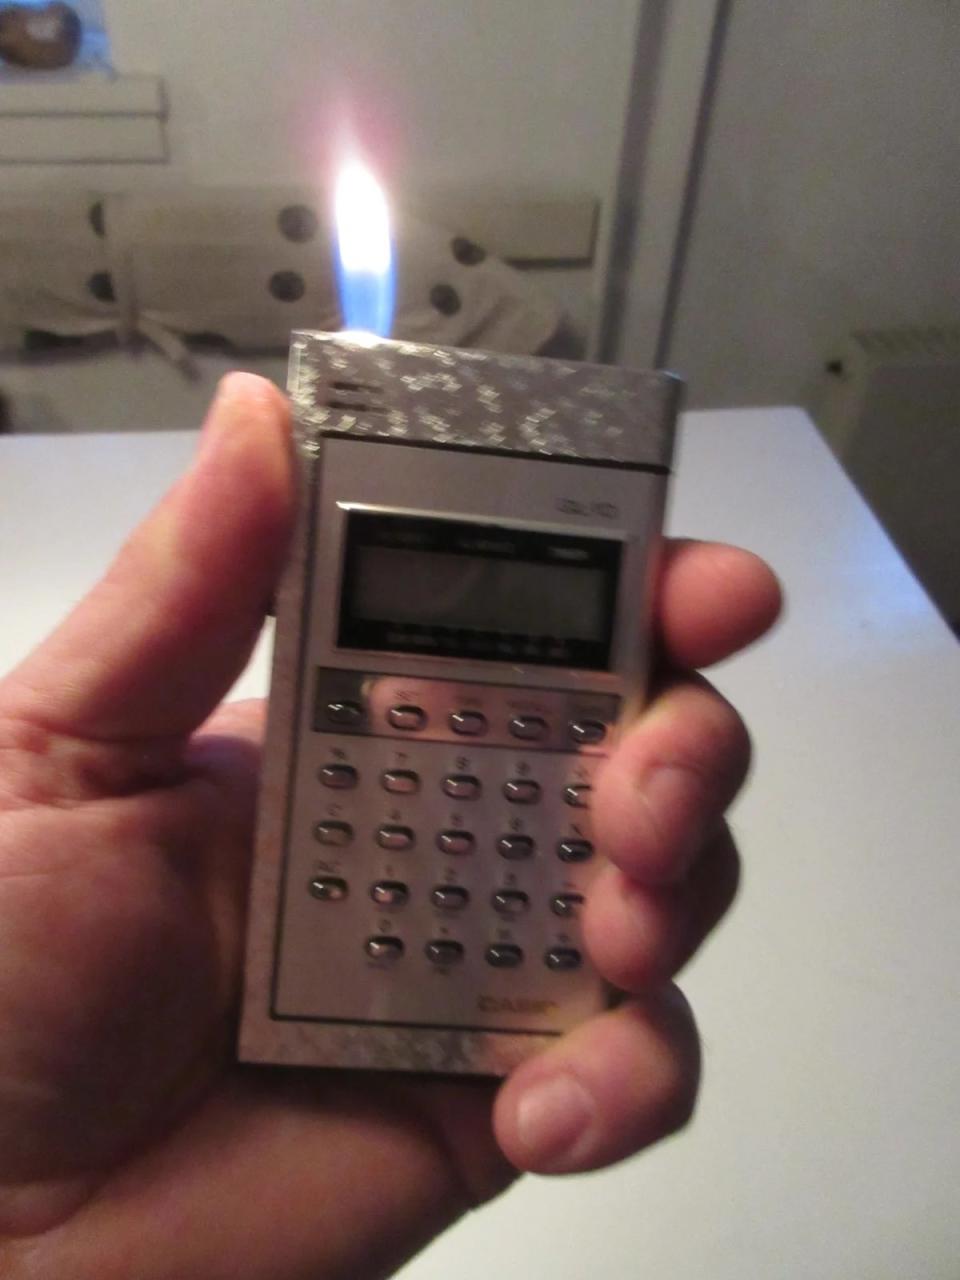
pixel 395 838
pixel 587 733
pixel 504 955
pixel 577 795
pixel 462 786
pixel 456 842
pixel 384 948
pixel 562 959
pixel 567 905
pixel 574 850
pixel 347 714
pixel 389 893
pixel 341 777
pixel 409 719
pixel 449 897
pixel 510 902
pixel 443 951
pixel 329 888
pixel 515 848
pixel 335 833
pixel 522 791
pixel 469 724
pixel 529 728
pixel 400 782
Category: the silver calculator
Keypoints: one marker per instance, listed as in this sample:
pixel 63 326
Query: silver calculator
pixel 462 627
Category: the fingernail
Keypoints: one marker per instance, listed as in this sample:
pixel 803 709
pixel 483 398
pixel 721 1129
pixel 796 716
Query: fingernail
pixel 554 1121
pixel 677 796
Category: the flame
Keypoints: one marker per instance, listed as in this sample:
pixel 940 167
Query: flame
pixel 365 269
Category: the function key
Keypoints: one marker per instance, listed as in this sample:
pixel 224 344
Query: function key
pixel 335 833
pixel 346 714
pixel 567 905
pixel 449 897
pixel 394 838
pixel 563 959
pixel 443 951
pixel 407 718
pixel 340 777
pixel 529 728
pixel 382 947
pixel 389 893
pixel 456 842
pixel 504 955
pixel 400 782
pixel 329 888
pixel 469 724
pixel 571 850
pixel 515 848
pixel 587 733
pixel 510 902
pixel 461 786
pixel 577 795
pixel 522 791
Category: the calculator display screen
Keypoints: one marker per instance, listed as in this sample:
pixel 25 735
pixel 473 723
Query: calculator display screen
pixel 415 584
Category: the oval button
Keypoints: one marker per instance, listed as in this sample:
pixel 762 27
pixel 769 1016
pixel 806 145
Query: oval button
pixel 529 728
pixel 443 951
pixel 384 948
pixel 333 833
pixel 449 897
pixel 456 842
pixel 395 838
pixel 522 791
pixel 400 782
pixel 574 850
pixel 510 902
pixel 461 786
pixel 346 714
pixel 469 724
pixel 587 733
pixel 339 777
pixel 407 718
pixel 577 795
pixel 566 905
pixel 329 888
pixel 562 959
pixel 514 848
pixel 389 893
pixel 504 955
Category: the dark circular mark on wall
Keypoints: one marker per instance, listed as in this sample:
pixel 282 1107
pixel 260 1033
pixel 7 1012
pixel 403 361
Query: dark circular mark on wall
pixel 101 286
pixel 298 222
pixel 287 286
pixel 466 252
pixel 97 221
pixel 445 298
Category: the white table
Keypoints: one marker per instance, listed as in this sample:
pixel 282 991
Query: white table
pixel 827 1142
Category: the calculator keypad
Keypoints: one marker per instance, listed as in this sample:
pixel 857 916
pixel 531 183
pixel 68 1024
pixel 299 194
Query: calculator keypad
pixel 436 873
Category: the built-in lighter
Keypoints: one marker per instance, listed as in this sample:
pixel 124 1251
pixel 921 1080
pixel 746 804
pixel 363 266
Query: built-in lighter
pixel 462 626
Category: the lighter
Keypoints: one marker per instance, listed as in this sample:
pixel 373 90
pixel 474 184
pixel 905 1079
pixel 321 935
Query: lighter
pixel 462 627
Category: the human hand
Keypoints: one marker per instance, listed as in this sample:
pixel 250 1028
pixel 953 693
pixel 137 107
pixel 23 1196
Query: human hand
pixel 132 1146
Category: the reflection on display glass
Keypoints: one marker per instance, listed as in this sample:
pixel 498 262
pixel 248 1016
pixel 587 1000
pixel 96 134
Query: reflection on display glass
pixel 451 588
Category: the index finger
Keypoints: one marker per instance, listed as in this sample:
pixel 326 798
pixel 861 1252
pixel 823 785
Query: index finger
pixel 712 600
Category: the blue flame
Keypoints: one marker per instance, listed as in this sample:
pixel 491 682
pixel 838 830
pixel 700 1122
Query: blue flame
pixel 367 298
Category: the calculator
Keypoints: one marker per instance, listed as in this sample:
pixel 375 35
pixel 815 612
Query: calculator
pixel 462 630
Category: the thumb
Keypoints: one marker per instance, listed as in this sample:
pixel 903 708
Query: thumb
pixel 160 639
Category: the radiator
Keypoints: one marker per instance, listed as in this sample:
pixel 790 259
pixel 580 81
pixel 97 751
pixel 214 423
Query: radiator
pixel 890 409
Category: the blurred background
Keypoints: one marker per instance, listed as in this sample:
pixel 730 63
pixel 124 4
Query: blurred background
pixel 758 194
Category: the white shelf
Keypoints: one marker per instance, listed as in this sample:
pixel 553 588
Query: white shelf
pixel 86 119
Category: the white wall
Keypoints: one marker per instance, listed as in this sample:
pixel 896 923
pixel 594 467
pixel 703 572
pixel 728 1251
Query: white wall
pixel 447 94
pixel 830 198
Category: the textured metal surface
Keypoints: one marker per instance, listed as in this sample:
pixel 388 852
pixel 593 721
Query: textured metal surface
pixel 446 396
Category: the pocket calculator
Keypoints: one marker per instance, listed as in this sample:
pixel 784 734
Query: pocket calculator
pixel 461 629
